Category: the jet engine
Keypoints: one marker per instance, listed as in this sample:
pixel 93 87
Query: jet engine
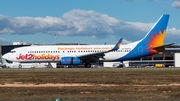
pixel 70 61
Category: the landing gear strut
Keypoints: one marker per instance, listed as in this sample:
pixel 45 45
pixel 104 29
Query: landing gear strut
pixel 87 65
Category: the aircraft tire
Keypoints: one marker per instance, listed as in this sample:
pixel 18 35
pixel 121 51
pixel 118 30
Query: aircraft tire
pixel 20 66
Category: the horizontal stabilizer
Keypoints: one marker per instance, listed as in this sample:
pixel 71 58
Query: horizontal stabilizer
pixel 161 48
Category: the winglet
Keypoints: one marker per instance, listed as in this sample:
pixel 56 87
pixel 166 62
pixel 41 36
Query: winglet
pixel 117 46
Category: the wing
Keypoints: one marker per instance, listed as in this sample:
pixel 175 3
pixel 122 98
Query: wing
pixel 94 57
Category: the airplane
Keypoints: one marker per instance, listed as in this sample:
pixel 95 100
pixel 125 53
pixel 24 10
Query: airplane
pixel 5 64
pixel 151 44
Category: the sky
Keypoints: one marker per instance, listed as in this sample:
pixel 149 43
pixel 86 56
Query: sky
pixel 85 21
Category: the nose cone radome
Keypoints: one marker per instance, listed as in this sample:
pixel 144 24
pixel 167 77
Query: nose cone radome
pixel 6 56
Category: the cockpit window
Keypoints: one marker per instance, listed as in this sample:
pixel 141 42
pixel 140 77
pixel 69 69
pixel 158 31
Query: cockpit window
pixel 12 51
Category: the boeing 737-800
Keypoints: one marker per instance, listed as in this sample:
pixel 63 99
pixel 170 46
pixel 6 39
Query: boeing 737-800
pixel 151 44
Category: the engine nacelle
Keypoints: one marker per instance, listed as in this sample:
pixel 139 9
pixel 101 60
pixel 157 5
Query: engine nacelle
pixel 70 61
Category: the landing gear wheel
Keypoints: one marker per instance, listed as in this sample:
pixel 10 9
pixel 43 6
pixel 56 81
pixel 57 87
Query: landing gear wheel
pixel 87 65
pixel 20 66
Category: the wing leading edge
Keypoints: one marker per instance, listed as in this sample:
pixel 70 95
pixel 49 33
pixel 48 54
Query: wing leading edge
pixel 93 57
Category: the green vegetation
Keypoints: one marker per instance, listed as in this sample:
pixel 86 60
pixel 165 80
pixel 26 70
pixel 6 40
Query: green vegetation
pixel 157 70
pixel 132 83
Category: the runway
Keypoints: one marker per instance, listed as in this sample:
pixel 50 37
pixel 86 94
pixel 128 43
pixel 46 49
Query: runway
pixel 103 68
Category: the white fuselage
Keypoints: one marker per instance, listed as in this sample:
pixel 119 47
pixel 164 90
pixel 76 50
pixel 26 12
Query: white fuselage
pixel 56 52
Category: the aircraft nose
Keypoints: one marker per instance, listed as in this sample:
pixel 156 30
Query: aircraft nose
pixel 5 56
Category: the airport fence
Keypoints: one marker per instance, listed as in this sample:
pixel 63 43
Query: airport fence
pixel 59 99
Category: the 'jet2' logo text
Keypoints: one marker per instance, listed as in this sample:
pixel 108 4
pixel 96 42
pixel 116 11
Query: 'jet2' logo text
pixel 37 57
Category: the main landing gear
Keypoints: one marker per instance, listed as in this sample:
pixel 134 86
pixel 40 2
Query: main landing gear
pixel 87 65
pixel 20 66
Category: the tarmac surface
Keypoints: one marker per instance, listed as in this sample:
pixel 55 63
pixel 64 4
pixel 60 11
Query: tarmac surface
pixel 84 68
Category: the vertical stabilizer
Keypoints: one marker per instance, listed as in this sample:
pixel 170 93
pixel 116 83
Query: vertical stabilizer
pixel 155 37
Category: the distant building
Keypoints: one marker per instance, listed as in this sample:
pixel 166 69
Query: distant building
pixel 166 57
pixel 19 43
pixel 8 48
